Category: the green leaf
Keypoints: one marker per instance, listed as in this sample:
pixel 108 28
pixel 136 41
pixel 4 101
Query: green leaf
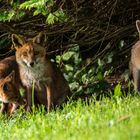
pixel 100 62
pixel 84 78
pixel 7 15
pixel 117 91
pixel 50 19
pixel 60 15
pixel 74 85
pixel 100 76
pixel 110 58
pixel 58 59
pixel 68 67
pixel 10 15
pixel 66 56
pixel 36 12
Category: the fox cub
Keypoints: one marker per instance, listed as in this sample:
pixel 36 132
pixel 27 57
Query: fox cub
pixel 50 85
pixel 9 85
pixel 134 64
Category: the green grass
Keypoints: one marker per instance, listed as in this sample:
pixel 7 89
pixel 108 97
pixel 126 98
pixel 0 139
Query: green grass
pixel 108 119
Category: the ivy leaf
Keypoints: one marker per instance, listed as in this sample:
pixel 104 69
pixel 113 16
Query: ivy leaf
pixel 66 56
pixel 68 67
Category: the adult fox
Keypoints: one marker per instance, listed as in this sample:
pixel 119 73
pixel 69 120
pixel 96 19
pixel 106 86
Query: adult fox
pixel 134 64
pixel 9 85
pixel 50 85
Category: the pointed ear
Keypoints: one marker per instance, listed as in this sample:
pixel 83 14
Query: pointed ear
pixel 138 25
pixel 40 38
pixel 17 41
pixel 11 76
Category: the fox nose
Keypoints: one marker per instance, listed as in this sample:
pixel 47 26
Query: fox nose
pixel 32 64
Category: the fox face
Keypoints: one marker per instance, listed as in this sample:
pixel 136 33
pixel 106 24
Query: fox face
pixel 31 58
pixel 29 53
pixel 8 91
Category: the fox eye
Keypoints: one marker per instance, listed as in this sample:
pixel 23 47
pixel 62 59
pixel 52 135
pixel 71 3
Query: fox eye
pixel 5 88
pixel 24 53
pixel 36 52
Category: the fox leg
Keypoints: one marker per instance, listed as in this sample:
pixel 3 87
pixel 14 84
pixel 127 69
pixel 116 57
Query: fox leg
pixel 136 76
pixel 29 99
pixel 13 108
pixel 130 70
pixel 4 108
pixel 49 92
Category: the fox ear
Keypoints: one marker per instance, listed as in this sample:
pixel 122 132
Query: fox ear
pixel 40 38
pixel 17 41
pixel 11 76
pixel 138 25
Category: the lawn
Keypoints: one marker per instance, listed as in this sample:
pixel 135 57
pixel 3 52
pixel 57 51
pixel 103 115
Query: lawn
pixel 106 119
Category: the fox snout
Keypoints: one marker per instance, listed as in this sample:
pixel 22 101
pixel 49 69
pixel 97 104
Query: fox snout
pixel 30 61
pixel 31 64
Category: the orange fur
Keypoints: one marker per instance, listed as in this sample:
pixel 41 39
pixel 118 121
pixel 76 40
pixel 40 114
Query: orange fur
pixel 9 85
pixel 50 84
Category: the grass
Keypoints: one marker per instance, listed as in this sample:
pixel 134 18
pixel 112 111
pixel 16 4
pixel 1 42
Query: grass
pixel 108 119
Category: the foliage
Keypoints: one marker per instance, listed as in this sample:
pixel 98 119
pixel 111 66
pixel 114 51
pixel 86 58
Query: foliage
pixel 83 80
pixel 72 61
pixel 47 8
pixel 77 31
pixel 80 120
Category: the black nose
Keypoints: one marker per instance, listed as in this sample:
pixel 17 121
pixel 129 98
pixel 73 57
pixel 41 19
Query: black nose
pixel 32 64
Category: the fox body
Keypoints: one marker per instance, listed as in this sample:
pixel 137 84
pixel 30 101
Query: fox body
pixel 134 64
pixel 35 68
pixel 9 85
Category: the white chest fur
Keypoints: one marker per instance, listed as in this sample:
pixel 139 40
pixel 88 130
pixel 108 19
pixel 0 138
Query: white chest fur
pixel 33 74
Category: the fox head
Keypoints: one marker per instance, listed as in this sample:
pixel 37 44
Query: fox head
pixel 29 53
pixel 9 93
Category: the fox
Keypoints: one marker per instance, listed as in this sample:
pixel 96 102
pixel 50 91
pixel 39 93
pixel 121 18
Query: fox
pixel 9 86
pixel 134 64
pixel 35 67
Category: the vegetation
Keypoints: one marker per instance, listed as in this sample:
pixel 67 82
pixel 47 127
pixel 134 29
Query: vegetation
pixel 115 118
pixel 90 41
pixel 104 30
